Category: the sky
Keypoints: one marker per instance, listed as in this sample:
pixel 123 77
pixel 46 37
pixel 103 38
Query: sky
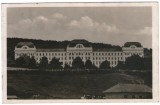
pixel 112 25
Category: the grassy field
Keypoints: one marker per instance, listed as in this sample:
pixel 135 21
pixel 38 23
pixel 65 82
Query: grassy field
pixel 54 85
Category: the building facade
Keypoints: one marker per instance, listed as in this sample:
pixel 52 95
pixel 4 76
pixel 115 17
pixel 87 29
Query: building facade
pixel 82 49
pixel 128 91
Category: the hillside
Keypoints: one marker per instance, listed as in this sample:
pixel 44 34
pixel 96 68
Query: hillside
pixel 71 86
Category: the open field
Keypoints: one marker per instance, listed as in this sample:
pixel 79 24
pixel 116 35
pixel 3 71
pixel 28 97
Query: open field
pixel 70 85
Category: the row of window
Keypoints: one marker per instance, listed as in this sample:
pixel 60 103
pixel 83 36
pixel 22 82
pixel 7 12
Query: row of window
pixel 64 54
pixel 133 53
pixel 21 54
pixel 99 58
pixel 115 53
pixel 53 54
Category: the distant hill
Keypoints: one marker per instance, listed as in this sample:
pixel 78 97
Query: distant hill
pixel 48 44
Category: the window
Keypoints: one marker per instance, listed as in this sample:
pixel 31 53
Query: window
pixel 79 46
pixel 93 58
pixel 93 53
pixel 24 47
pixel 62 54
pixel 99 53
pixel 140 97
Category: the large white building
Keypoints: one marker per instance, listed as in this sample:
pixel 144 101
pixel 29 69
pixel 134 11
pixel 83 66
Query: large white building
pixel 82 49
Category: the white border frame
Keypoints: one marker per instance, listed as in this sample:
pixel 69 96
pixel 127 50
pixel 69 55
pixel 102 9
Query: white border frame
pixel 155 46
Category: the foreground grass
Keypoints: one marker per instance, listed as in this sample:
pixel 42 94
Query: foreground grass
pixel 65 86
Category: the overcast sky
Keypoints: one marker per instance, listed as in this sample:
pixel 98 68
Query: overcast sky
pixel 112 25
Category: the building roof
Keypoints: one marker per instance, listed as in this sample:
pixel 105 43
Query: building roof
pixel 29 44
pixel 50 50
pixel 128 44
pixel 110 50
pixel 129 88
pixel 79 41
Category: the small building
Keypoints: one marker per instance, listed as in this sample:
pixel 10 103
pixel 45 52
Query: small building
pixel 128 91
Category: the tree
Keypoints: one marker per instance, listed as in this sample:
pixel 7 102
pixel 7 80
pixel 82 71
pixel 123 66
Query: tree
pixel 77 63
pixel 32 62
pixel 147 63
pixel 105 65
pixel 120 65
pixel 20 62
pixel 27 60
pixel 55 64
pixel 94 66
pixel 135 62
pixel 88 64
pixel 67 66
pixel 43 63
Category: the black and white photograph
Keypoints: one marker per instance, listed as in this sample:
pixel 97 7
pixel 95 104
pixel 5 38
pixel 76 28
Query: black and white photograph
pixel 80 52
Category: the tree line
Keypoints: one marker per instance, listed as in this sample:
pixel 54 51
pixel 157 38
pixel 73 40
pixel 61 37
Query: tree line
pixel 135 62
pixel 50 44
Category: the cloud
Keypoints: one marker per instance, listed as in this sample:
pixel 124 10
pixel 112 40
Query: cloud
pixel 41 18
pixel 145 31
pixel 61 27
pixel 87 23
pixel 59 16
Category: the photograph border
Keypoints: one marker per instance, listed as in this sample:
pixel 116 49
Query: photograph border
pixel 155 47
